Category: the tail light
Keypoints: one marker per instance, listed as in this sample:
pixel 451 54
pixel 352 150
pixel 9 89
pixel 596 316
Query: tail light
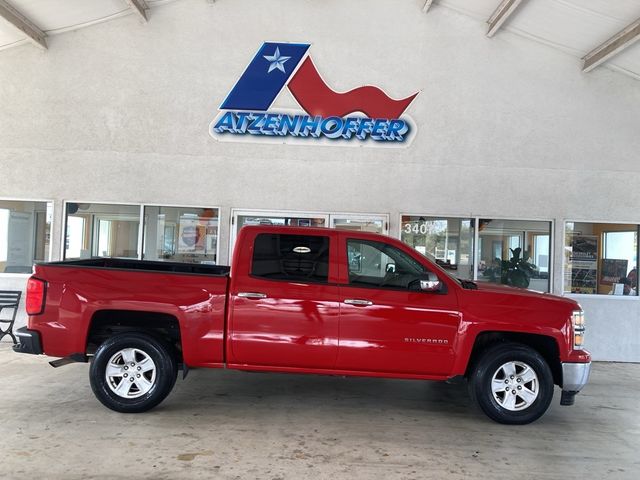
pixel 578 329
pixel 36 290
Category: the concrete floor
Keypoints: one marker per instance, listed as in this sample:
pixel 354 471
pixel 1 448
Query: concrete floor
pixel 234 425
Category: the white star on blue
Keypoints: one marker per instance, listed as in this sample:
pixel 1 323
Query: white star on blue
pixel 276 61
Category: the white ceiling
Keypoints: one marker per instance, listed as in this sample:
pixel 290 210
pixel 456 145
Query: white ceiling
pixel 573 26
pixel 58 16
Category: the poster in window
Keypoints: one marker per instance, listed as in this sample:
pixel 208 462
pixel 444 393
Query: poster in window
pixel 613 271
pixel 191 238
pixel 19 243
pixel 584 263
pixel 211 242
pixel 169 239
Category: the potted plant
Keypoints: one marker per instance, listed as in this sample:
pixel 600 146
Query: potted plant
pixel 516 272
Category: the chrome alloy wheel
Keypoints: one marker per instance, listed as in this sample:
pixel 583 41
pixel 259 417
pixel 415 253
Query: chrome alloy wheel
pixel 515 386
pixel 130 373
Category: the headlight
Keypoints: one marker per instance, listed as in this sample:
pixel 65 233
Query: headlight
pixel 578 329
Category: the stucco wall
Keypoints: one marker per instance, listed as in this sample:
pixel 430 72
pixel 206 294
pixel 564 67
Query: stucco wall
pixel 507 127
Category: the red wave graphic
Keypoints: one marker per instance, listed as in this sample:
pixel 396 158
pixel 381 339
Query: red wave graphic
pixel 313 94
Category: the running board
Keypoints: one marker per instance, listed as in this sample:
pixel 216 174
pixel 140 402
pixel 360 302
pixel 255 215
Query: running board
pixel 75 358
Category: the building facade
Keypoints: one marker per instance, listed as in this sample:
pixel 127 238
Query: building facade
pixel 106 149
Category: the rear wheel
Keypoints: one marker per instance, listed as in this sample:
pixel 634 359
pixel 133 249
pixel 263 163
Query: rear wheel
pixel 512 384
pixel 133 372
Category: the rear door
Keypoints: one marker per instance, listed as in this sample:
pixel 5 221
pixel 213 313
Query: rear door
pixel 284 304
pixel 386 323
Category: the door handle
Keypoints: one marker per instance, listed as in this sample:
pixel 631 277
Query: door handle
pixel 252 295
pixel 358 302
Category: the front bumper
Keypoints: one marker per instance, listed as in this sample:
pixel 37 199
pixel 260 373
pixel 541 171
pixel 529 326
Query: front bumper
pixel 28 341
pixel 574 377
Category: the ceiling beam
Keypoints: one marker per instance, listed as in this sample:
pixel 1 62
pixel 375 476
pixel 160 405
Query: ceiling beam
pixel 616 44
pixel 22 23
pixel 140 7
pixel 501 14
pixel 427 6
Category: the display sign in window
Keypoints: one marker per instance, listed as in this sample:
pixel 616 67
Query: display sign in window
pixel 601 258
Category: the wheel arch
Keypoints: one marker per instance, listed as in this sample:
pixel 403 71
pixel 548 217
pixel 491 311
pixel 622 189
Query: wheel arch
pixel 545 345
pixel 109 322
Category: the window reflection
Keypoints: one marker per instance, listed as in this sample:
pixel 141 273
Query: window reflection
pixel 299 221
pixel 448 240
pixel 514 253
pixel 101 230
pixel 181 234
pixel 25 229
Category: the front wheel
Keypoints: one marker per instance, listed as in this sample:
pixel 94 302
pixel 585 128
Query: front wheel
pixel 132 372
pixel 512 384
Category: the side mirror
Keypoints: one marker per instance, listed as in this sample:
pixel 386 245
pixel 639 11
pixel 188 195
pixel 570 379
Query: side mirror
pixel 390 268
pixel 429 282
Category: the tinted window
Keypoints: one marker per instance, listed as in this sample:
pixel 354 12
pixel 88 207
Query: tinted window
pixel 291 257
pixel 381 265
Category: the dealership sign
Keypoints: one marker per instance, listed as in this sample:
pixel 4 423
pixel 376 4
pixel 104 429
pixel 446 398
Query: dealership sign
pixel 364 115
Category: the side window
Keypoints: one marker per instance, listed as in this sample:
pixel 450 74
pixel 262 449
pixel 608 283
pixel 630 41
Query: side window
pixel 291 257
pixel 378 264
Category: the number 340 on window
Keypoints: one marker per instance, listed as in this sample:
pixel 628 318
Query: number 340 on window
pixel 416 228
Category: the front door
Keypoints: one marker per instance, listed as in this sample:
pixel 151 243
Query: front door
pixel 285 312
pixel 386 323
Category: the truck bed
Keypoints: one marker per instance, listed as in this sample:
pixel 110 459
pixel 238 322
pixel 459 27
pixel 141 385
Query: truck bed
pixel 83 292
pixel 143 265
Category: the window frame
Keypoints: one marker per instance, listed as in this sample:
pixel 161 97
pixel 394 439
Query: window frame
pixel 441 217
pixel 476 235
pixel 51 231
pixel 552 232
pixel 578 296
pixel 65 218
pixel 385 287
pixel 140 243
pixel 166 205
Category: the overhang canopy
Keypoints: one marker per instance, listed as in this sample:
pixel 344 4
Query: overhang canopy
pixel 577 27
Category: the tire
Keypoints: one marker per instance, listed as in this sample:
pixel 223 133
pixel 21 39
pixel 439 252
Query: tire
pixel 145 363
pixel 520 369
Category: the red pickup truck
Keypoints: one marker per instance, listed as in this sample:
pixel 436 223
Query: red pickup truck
pixel 305 300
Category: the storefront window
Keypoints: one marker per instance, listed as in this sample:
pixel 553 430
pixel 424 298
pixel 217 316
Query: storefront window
pixel 601 258
pixel 448 240
pixel 181 234
pixel 515 253
pixel 101 230
pixel 24 234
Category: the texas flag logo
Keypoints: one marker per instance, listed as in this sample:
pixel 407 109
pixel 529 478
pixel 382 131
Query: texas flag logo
pixel 361 114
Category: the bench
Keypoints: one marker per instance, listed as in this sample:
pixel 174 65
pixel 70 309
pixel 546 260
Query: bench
pixel 9 299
